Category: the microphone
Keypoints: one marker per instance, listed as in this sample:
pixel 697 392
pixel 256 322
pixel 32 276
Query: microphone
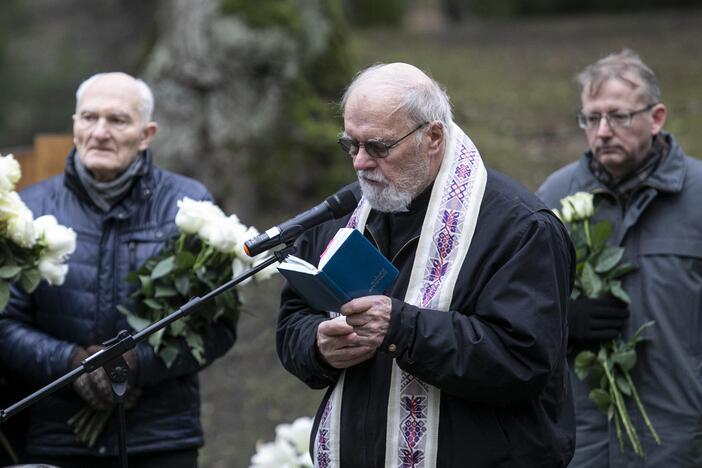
pixel 338 205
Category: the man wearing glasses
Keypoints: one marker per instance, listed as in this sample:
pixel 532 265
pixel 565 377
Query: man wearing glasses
pixel 650 191
pixel 463 361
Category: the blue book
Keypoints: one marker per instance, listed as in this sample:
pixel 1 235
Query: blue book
pixel 350 267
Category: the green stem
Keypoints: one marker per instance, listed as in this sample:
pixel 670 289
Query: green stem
pixel 640 406
pixel 621 408
pixel 618 427
pixel 586 227
pixel 8 448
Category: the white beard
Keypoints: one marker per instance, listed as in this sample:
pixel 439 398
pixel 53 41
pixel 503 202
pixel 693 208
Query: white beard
pixel 393 197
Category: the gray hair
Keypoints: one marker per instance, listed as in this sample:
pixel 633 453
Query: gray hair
pixel 423 100
pixel 626 66
pixel 146 97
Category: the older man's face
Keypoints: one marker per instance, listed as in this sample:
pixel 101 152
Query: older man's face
pixel 391 183
pixel 108 129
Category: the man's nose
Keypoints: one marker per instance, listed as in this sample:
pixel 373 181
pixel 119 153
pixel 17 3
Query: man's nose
pixel 363 160
pixel 102 129
pixel 604 129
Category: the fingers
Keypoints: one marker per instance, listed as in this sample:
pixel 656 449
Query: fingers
pixel 370 319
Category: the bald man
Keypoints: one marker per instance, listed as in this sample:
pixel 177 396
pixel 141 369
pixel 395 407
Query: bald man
pixel 462 362
pixel 122 208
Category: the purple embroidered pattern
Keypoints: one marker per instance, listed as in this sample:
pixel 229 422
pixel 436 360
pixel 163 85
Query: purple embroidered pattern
pixel 414 393
pixel 413 428
pixel 323 448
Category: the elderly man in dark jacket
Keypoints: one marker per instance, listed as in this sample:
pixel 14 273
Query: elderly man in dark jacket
pixel 122 209
pixel 463 361
pixel 650 191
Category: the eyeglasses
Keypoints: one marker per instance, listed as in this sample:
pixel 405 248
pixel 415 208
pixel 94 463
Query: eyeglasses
pixel 613 119
pixel 376 148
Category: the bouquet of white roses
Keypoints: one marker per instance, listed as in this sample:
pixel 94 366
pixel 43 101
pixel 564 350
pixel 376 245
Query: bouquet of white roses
pixel 30 249
pixel 207 253
pixel 290 448
pixel 598 272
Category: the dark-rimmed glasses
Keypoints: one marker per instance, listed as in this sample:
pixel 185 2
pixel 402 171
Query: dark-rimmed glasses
pixel 376 147
pixel 613 119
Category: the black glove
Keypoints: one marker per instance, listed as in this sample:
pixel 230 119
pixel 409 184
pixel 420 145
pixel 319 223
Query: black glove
pixel 596 320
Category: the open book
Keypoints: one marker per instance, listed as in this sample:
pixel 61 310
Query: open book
pixel 350 267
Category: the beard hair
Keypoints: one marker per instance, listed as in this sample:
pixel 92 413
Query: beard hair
pixel 394 197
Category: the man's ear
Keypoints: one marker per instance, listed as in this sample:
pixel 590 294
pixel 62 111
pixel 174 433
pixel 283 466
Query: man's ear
pixel 437 134
pixel 147 135
pixel 659 113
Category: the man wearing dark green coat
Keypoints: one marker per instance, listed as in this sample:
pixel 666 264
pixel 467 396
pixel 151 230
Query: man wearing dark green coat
pixel 650 191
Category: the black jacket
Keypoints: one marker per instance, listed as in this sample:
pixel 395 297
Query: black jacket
pixel 498 356
pixel 39 332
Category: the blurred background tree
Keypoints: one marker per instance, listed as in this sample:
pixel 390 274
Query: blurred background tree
pixel 245 100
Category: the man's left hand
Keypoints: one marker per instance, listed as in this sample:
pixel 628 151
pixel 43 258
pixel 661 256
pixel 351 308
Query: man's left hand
pixel 370 318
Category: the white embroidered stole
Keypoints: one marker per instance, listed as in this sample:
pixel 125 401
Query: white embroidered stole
pixel 447 231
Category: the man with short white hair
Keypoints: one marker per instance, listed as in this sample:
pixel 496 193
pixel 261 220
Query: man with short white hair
pixel 122 208
pixel 462 361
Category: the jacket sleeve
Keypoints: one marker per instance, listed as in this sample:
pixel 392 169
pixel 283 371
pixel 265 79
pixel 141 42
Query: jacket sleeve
pixel 27 350
pixel 506 345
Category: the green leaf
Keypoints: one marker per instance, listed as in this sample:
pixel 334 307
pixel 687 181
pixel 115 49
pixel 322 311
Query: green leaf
pixel 601 399
pixel 30 279
pixel 153 304
pixel 4 294
pixel 156 338
pixel 147 286
pixel 599 234
pixel 616 290
pixel 163 267
pixel 169 352
pixel 182 284
pixel 177 328
pixel 622 270
pixel 9 271
pixel 583 363
pixel 637 335
pixel 623 385
pixel 164 291
pixel 184 260
pixel 626 359
pixel 137 323
pixel 132 277
pixel 592 284
pixel 608 258
pixel 197 348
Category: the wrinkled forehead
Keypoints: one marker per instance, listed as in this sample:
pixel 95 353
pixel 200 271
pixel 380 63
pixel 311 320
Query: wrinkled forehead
pixel 374 102
pixel 111 94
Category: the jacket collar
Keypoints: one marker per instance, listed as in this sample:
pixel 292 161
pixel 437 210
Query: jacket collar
pixel 142 189
pixel 668 176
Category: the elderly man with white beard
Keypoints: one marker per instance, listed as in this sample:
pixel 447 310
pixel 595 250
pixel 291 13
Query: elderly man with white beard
pixel 462 361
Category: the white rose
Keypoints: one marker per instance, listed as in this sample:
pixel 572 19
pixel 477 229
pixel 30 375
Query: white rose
pixel 18 218
pixel 226 234
pixel 297 433
pixel 239 267
pixel 10 173
pixel 246 235
pixel 274 455
pixel 577 207
pixel 52 270
pixel 192 214
pixel 60 240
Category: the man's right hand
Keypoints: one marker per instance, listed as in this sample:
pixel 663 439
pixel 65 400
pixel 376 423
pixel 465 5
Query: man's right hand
pixel 596 320
pixel 338 344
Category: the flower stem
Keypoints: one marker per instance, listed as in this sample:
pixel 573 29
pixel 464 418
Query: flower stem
pixel 639 405
pixel 621 408
pixel 588 239
pixel 8 448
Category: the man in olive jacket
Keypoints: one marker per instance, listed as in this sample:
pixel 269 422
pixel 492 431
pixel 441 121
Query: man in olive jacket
pixel 650 191
pixel 463 361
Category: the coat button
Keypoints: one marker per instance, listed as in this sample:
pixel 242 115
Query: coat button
pixel 392 348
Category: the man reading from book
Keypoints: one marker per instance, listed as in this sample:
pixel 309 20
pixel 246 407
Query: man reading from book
pixel 462 360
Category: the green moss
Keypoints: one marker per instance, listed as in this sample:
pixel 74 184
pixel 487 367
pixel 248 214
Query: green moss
pixel 265 14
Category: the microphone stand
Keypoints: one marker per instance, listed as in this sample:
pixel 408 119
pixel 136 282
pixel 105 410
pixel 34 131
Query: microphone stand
pixel 116 368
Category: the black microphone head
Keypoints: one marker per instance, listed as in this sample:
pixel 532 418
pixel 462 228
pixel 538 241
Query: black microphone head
pixel 342 203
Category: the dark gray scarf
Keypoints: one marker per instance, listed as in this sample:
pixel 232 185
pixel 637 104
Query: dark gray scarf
pixel 106 194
